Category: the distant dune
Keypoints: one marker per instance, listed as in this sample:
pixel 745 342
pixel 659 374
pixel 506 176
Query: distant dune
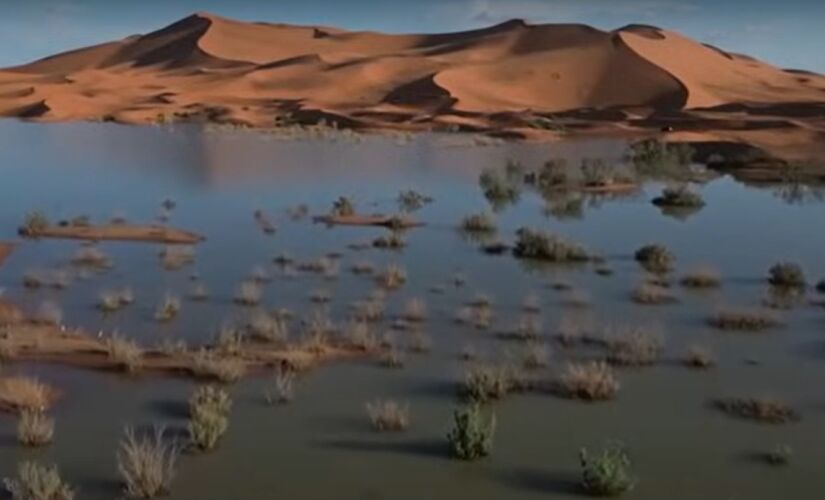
pixel 509 79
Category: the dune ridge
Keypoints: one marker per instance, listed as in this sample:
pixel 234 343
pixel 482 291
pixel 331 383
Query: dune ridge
pixel 499 79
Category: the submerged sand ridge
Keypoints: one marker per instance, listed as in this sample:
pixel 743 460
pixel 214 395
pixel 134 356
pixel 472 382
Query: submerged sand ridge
pixel 508 79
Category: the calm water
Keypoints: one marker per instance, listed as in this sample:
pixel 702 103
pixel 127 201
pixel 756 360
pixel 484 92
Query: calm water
pixel 321 446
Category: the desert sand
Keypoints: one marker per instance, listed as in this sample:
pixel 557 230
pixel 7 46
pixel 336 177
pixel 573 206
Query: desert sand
pixel 511 80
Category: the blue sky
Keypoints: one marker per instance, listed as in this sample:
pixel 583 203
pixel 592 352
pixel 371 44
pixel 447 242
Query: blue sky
pixel 790 33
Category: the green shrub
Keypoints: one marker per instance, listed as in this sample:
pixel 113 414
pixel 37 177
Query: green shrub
pixel 653 158
pixel 471 437
pixel 37 482
pixel 484 382
pixel 534 244
pixel 787 274
pixel 606 472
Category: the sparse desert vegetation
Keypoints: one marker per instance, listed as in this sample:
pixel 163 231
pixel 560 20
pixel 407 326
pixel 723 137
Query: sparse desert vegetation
pixel 744 319
pixel 168 308
pixel 606 472
pixel 146 463
pixel 34 428
pixel 588 381
pixel 655 258
pixel 209 409
pixel 759 409
pixel 38 482
pixel 534 244
pixel 388 415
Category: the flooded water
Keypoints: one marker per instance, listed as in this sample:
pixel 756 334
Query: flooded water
pixel 321 446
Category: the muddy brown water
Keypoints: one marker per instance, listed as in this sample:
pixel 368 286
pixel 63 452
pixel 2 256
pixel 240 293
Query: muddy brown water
pixel 321 445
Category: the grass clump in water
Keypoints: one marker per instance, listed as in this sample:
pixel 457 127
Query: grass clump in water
pixel 787 275
pixel 649 294
pixel 534 244
pixel 607 472
pixel 747 320
pixel 26 393
pixel 249 293
pixel 701 278
pixel 146 464
pixel 168 308
pixel 225 369
pixel 415 310
pixel 763 410
pixel 471 437
pixel 125 353
pixel 655 258
pixel 343 207
pixel 589 381
pixel 34 428
pixel 392 278
pixel 479 223
pixel 636 346
pixel 388 415
pixel 483 383
pixel 35 222
pixel 499 189
pixel 38 482
pixel 209 409
pixel 699 357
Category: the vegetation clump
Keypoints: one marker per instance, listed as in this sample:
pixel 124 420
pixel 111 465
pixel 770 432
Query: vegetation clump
pixel 343 207
pixel 283 390
pixel 125 353
pixel 679 197
pixel 226 369
pixel 146 464
pixel 655 258
pixel 411 200
pixel 749 320
pixel 34 428
pixel 780 455
pixel 479 223
pixel 635 347
pixel 249 293
pixel 607 472
pixel 209 409
pixel 26 393
pixel 168 308
pixel 38 482
pixel 499 188
pixel 34 223
pixel 764 410
pixel 388 415
pixel 589 381
pixel 534 244
pixel 787 275
pixel 656 159
pixel 650 294
pixel 699 357
pixel 483 383
pixel 701 278
pixel 471 437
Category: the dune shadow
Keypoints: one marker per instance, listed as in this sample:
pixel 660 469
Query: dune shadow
pixel 427 448
pixel 543 481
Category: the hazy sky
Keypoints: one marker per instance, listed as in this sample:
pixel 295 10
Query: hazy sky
pixel 789 33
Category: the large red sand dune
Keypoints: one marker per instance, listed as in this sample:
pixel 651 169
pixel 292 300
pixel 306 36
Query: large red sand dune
pixel 495 79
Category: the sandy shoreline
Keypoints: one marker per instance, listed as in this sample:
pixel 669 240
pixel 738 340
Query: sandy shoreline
pixel 118 232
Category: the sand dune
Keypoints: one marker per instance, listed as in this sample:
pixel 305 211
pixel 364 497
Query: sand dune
pixel 205 67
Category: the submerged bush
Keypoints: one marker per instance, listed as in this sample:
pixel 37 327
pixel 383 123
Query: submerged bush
pixel 751 320
pixel 168 308
pixel 699 357
pixel 146 464
pixel 225 369
pixel 472 435
pixel 499 188
pixel 35 222
pixel 655 258
pixel 701 278
pixel 765 410
pixel 283 387
pixel 249 293
pixel 34 428
pixel 486 382
pixel 635 347
pixel 679 197
pixel 590 381
pixel 125 353
pixel 534 244
pixel 606 472
pixel 479 223
pixel 25 393
pixel 343 206
pixel 787 274
pixel 388 415
pixel 650 294
pixel 654 158
pixel 38 482
pixel 209 409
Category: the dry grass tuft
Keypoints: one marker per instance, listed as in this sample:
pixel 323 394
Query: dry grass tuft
pixel 388 415
pixel 590 381
pixel 34 428
pixel 764 410
pixel 25 393
pixel 750 320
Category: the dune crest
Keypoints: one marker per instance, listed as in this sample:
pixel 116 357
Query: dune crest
pixel 499 79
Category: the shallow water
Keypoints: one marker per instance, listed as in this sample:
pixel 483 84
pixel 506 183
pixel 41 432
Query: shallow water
pixel 321 446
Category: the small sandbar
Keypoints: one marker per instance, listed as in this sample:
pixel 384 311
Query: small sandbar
pixel 118 232
pixel 391 221
pixel 5 250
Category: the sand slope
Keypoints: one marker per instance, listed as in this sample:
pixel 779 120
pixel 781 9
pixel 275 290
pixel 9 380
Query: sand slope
pixel 205 67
